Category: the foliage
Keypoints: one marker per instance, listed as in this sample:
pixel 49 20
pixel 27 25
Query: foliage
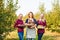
pixel 43 38
pixel 42 8
pixel 54 21
pixel 7 17
pixel 52 17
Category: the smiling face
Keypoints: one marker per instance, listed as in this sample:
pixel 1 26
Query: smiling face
pixel 30 15
pixel 42 16
pixel 20 16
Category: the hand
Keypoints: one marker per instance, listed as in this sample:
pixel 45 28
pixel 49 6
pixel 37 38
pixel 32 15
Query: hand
pixel 34 26
pixel 18 24
pixel 21 25
pixel 26 24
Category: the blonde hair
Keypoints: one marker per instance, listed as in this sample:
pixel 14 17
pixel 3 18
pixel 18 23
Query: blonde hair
pixel 42 15
pixel 19 15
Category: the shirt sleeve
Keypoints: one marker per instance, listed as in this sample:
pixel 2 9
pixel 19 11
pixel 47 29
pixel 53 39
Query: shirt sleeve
pixel 35 22
pixel 26 21
pixel 45 23
pixel 15 25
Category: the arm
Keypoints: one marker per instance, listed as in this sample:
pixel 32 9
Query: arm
pixel 15 25
pixel 34 26
pixel 20 25
pixel 45 23
pixel 26 24
pixel 36 22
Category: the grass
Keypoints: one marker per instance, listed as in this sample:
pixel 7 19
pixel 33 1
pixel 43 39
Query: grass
pixel 43 38
pixel 47 36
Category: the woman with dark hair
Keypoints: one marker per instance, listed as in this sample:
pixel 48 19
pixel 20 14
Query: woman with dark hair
pixel 31 30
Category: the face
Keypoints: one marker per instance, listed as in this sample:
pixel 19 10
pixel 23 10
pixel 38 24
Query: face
pixel 20 16
pixel 42 16
pixel 30 15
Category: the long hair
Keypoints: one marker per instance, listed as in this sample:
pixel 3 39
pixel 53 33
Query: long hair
pixel 29 15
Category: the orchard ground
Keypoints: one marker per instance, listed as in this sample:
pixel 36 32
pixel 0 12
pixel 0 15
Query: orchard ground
pixel 48 35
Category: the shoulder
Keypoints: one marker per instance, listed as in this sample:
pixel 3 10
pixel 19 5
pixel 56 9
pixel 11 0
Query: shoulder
pixel 37 20
pixel 34 19
pixel 17 20
pixel 44 19
pixel 22 20
pixel 26 21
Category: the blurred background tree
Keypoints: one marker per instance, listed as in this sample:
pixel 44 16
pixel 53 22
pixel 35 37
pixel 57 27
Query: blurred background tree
pixel 7 17
pixel 52 17
pixel 42 8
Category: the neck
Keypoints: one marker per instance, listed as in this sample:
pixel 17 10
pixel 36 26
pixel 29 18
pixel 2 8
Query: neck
pixel 20 19
pixel 31 18
pixel 41 17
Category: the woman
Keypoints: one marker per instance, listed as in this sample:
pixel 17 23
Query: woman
pixel 41 27
pixel 31 30
pixel 20 25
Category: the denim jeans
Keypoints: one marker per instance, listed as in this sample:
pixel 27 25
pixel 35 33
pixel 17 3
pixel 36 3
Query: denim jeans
pixel 40 36
pixel 30 38
pixel 20 34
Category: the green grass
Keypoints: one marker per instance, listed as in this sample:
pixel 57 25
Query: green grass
pixel 48 38
pixel 43 38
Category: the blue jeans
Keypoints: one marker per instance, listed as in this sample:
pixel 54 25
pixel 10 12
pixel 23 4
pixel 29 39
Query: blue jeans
pixel 20 34
pixel 40 36
pixel 30 38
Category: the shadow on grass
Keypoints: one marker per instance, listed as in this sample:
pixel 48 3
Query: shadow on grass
pixel 48 38
pixel 43 38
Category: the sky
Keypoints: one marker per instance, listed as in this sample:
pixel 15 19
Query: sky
pixel 32 5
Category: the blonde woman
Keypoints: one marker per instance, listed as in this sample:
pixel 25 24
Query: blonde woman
pixel 41 26
pixel 20 25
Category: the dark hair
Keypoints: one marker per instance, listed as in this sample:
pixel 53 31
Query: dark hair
pixel 31 13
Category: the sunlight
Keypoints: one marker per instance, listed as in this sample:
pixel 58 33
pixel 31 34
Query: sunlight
pixel 32 5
